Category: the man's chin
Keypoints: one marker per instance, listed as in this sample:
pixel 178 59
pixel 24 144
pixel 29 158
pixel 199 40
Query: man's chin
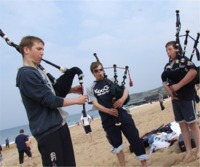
pixel 100 78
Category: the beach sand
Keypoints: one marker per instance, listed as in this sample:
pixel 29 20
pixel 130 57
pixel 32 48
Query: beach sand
pixel 98 152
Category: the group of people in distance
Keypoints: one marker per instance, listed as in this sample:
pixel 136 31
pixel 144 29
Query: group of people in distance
pixel 23 144
pixel 49 127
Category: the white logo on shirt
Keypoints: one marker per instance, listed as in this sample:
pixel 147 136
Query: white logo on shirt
pixel 103 91
pixel 53 156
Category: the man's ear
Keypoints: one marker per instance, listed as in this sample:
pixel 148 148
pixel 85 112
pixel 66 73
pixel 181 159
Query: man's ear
pixel 26 49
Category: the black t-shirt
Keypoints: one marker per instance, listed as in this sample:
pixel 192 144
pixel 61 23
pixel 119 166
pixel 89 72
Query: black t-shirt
pixel 179 69
pixel 102 93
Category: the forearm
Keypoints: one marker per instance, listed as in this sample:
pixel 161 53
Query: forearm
pixel 166 87
pixel 78 100
pixel 125 95
pixel 100 107
pixel 188 78
pixel 110 111
pixel 120 102
pixel 70 101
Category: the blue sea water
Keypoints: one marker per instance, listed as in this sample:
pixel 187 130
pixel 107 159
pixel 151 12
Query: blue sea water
pixel 11 133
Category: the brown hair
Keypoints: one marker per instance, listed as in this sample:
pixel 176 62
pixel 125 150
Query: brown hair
pixel 172 43
pixel 94 65
pixel 28 41
pixel 21 131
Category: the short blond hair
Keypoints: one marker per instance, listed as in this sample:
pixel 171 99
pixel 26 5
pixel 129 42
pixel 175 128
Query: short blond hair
pixel 28 41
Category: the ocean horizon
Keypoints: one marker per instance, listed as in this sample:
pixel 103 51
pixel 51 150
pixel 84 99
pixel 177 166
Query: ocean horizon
pixel 11 133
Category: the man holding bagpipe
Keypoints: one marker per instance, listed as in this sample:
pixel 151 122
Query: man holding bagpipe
pixel 101 97
pixel 178 80
pixel 43 107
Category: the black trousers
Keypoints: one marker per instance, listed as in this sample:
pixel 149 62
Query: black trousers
pixel 56 149
pixel 21 155
pixel 130 131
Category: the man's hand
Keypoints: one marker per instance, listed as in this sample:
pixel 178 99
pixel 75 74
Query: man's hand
pixel 113 112
pixel 119 103
pixel 76 89
pixel 82 99
pixel 174 88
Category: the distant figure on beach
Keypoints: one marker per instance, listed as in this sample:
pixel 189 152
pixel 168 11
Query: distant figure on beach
pixel 1 157
pixel 47 118
pixel 100 96
pixel 22 148
pixel 182 96
pixel 86 121
pixel 7 142
pixel 160 98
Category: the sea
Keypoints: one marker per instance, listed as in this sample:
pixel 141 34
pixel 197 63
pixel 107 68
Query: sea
pixel 11 133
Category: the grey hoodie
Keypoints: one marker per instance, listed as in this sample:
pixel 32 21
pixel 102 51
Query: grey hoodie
pixel 40 102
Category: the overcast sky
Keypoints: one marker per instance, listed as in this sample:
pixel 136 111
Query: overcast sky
pixel 123 32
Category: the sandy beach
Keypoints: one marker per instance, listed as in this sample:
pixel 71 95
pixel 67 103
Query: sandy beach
pixel 98 152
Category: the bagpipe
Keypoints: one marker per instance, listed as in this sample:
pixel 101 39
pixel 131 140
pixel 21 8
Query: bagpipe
pixel 184 63
pixel 116 90
pixel 61 85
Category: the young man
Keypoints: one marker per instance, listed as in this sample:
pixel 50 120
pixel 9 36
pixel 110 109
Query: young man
pixel 22 148
pixel 100 96
pixel 183 96
pixel 46 117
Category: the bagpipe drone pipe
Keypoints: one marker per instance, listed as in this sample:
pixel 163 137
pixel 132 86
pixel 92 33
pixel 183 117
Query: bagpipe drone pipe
pixel 61 85
pixel 184 63
pixel 117 90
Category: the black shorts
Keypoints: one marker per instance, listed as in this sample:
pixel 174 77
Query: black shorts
pixel 87 129
pixel 184 111
pixel 56 148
